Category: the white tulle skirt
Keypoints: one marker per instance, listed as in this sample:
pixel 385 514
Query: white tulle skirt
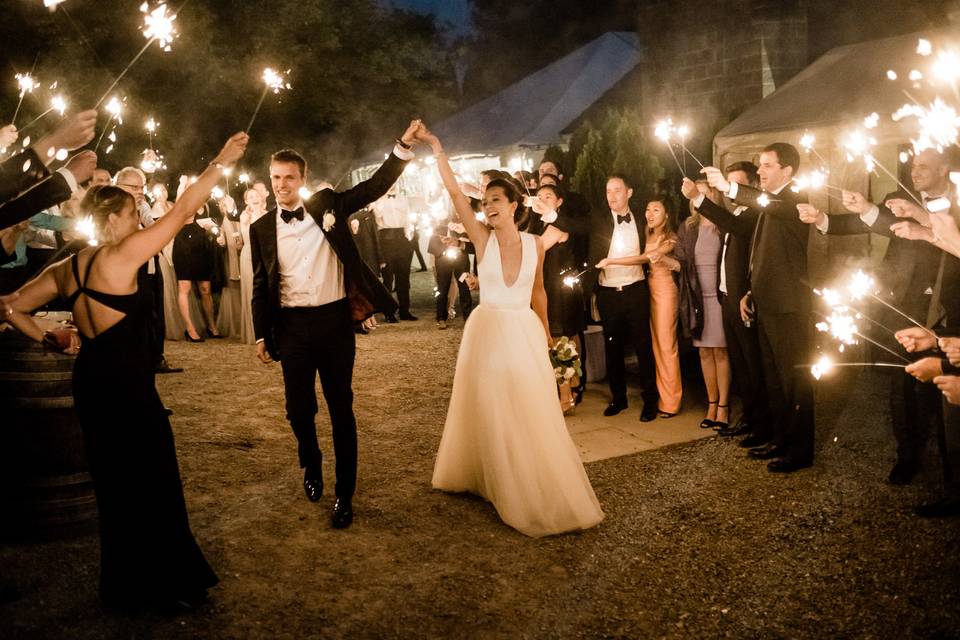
pixel 505 438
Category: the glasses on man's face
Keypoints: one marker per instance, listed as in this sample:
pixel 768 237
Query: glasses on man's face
pixel 131 187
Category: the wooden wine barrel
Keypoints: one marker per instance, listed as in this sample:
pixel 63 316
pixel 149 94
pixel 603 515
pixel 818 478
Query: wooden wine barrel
pixel 45 489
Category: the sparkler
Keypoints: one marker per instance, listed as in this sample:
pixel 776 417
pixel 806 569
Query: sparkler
pixel 861 284
pixel 52 4
pixel 272 81
pixel 115 109
pixel 824 365
pixel 151 127
pixel 841 326
pixel 807 141
pixel 814 181
pixel 858 145
pixel 665 130
pixel 157 27
pixel 27 84
pixel 57 103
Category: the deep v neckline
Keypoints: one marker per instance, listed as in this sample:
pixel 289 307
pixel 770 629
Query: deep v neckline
pixel 503 275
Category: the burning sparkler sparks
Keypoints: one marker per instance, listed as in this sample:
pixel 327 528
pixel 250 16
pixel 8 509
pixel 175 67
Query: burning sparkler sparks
pixel 158 25
pixel 763 200
pixel 822 367
pixel 273 81
pixel 939 125
pixel 86 227
pixel 26 84
pixel 666 130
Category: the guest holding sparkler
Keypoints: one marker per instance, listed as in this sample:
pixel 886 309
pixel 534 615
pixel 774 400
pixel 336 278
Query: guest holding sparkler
pixel 148 554
pixel 451 262
pixel 780 299
pixel 665 298
pixel 623 297
pixel 737 222
pixel 914 275
pixel 229 313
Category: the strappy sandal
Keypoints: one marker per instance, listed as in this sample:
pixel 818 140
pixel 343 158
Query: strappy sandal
pixel 706 423
pixel 718 425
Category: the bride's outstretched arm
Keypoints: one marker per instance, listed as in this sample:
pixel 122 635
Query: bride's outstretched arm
pixel 538 299
pixel 477 231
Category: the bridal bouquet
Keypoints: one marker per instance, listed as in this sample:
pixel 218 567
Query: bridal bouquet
pixel 566 362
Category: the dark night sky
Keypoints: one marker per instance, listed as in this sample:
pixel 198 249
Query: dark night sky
pixel 454 12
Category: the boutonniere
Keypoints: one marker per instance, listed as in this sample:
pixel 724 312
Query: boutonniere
pixel 328 220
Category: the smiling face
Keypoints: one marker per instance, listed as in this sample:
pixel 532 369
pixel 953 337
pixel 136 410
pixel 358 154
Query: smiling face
pixel 656 215
pixel 618 195
pixel 929 172
pixel 253 199
pixel 773 175
pixel 549 198
pixel 286 181
pixel 498 208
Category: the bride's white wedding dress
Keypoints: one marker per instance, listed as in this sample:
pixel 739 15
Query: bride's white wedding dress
pixel 505 438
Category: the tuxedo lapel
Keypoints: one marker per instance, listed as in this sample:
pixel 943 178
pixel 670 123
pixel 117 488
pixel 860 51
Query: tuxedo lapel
pixel 268 249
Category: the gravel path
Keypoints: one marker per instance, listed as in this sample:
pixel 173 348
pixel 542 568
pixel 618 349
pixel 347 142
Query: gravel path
pixel 698 541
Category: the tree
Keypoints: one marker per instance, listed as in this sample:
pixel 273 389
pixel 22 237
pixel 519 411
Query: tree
pixel 618 145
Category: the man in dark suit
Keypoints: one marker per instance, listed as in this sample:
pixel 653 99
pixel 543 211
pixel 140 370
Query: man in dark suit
pixel 781 301
pixel 737 222
pixel 309 286
pixel 907 277
pixel 617 239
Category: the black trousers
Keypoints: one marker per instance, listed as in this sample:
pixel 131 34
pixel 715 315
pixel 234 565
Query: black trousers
pixel 415 245
pixel 915 414
pixel 948 441
pixel 625 316
pixel 312 341
pixel 447 269
pixel 785 344
pixel 397 253
pixel 743 345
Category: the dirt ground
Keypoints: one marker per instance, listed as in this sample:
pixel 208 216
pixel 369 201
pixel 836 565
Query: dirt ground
pixel 698 541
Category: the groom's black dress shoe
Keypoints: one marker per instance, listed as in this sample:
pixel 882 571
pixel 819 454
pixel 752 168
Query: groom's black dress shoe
pixel 753 440
pixel 312 485
pixel 902 473
pixel 766 452
pixel 342 513
pixel 614 408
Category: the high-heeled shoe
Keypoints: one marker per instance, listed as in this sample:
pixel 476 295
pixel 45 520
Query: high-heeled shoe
pixel 189 338
pixel 707 423
pixel 717 424
pixel 214 336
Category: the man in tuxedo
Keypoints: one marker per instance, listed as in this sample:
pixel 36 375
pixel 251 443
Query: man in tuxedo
pixel 309 286
pixel 737 222
pixel 908 278
pixel 617 239
pixel 781 301
pixel 393 220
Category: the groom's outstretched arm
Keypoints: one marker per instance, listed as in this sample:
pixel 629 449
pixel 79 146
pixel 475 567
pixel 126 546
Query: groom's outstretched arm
pixel 379 183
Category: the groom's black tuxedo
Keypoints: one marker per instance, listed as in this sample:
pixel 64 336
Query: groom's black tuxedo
pixel 364 290
pixel 312 340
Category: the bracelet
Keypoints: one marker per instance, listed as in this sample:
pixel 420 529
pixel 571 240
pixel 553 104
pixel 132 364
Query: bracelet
pixel 403 144
pixel 218 166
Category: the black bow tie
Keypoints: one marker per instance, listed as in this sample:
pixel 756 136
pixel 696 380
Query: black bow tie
pixel 623 218
pixel 289 215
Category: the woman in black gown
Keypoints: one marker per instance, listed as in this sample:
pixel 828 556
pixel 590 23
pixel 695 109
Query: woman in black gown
pixel 148 554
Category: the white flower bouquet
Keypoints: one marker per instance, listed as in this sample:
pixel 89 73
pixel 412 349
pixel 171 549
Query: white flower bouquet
pixel 566 362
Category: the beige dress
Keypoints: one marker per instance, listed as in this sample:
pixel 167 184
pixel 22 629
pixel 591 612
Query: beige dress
pixel 228 318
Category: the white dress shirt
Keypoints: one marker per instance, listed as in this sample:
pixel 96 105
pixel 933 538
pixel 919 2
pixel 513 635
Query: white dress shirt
pixel 310 272
pixel 393 213
pixel 624 243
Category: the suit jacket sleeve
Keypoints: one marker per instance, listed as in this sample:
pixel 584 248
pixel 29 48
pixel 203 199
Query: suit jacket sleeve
pixel 50 191
pixel 575 223
pixel 13 178
pixel 741 225
pixel 260 300
pixel 371 189
pixel 783 205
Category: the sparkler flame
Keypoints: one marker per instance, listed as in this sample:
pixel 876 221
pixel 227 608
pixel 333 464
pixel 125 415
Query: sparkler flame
pixel 158 25
pixel 822 367
pixel 939 124
pixel 275 81
pixel 114 107
pixel 810 181
pixel 52 4
pixel 86 227
pixel 841 325
pixel 946 67
pixel 763 200
pixel 807 140
pixel 663 129
pixel 26 83
pixel 151 125
pixel 860 285
pixel 58 104
pixel 217 193
pixel 924 48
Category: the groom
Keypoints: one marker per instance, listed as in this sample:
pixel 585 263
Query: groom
pixel 309 286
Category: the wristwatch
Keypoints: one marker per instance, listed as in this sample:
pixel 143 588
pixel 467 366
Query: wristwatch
pixel 404 144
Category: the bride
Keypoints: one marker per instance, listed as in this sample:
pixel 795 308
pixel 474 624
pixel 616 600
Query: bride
pixel 505 438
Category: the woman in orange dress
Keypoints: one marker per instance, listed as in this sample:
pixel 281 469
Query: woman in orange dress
pixel 664 301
